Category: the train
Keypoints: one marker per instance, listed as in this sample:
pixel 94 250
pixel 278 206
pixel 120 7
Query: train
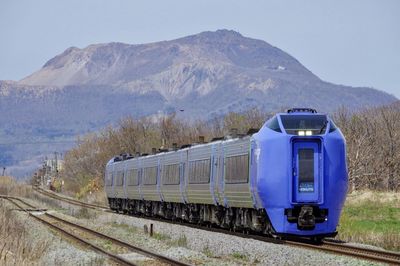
pixel 287 179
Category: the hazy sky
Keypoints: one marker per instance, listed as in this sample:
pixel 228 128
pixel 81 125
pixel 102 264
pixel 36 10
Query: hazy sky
pixel 354 43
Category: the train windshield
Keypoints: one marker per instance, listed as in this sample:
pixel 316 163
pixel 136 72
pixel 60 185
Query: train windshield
pixel 304 125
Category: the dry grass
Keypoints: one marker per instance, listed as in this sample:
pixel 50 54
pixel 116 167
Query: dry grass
pixel 97 197
pixel 8 186
pixel 363 196
pixel 15 246
pixel 372 218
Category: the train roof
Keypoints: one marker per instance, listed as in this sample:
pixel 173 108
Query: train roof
pixel 300 111
pixel 119 158
pixel 250 133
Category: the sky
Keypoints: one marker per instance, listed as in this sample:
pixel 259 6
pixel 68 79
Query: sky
pixel 354 43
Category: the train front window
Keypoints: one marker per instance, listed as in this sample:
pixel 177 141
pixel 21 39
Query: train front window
pixel 304 125
pixel 306 170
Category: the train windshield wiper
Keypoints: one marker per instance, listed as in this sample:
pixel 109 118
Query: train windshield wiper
pixel 323 126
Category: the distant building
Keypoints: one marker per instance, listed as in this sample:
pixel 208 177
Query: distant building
pixel 54 165
pixel 49 171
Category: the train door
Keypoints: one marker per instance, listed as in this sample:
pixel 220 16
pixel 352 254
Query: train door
pixel 140 177
pixel 125 174
pixel 183 175
pixel 215 173
pixel 307 174
pixel 114 177
pixel 109 180
pixel 160 170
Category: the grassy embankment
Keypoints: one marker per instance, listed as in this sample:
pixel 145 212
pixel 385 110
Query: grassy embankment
pixel 16 246
pixel 372 218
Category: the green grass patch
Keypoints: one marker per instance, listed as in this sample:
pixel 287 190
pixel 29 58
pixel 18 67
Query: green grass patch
pixel 179 242
pixel 208 252
pixel 239 256
pixel 372 221
pixel 127 228
pixel 108 244
pixel 161 237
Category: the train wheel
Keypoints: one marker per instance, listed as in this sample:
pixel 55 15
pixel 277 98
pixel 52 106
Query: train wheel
pixel 317 239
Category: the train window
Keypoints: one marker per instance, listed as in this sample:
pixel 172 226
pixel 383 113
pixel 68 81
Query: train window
pixel 170 174
pixel 119 181
pixel 132 178
pixel 274 124
pixel 150 175
pixel 297 124
pixel 306 170
pixel 237 169
pixel 199 172
pixel 109 179
pixel 333 127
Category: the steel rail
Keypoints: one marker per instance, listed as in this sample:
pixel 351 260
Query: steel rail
pixel 121 243
pixel 337 248
pixel 383 256
pixel 367 253
pixel 116 258
pixel 72 201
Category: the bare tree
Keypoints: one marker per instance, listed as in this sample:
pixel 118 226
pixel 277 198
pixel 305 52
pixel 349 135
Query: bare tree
pixel 373 143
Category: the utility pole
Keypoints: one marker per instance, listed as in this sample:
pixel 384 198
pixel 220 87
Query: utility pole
pixel 46 177
pixel 56 166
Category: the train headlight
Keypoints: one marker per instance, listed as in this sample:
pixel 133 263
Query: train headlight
pixel 308 133
pixel 301 133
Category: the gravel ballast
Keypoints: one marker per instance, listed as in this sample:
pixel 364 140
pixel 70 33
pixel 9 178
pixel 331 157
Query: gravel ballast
pixel 227 248
pixel 196 246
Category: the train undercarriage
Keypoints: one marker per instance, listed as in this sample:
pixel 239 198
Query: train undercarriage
pixel 237 219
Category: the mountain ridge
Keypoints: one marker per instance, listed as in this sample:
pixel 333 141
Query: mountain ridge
pixel 207 75
pixel 194 47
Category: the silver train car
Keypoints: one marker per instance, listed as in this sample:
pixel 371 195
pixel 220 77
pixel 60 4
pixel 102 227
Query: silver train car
pixel 203 183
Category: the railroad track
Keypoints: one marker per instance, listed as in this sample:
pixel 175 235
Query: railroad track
pixel 353 251
pixel 88 237
pixel 29 208
pixel 340 248
pixel 72 201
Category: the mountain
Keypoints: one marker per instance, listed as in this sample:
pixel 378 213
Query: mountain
pixel 206 74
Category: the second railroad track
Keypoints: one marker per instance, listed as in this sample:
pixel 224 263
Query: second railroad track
pixel 377 255
pixel 89 237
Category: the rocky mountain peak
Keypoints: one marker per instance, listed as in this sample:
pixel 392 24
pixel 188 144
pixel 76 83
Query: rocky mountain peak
pixel 128 65
pixel 219 36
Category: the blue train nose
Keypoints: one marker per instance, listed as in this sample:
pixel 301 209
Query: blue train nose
pixel 307 183
pixel 301 173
